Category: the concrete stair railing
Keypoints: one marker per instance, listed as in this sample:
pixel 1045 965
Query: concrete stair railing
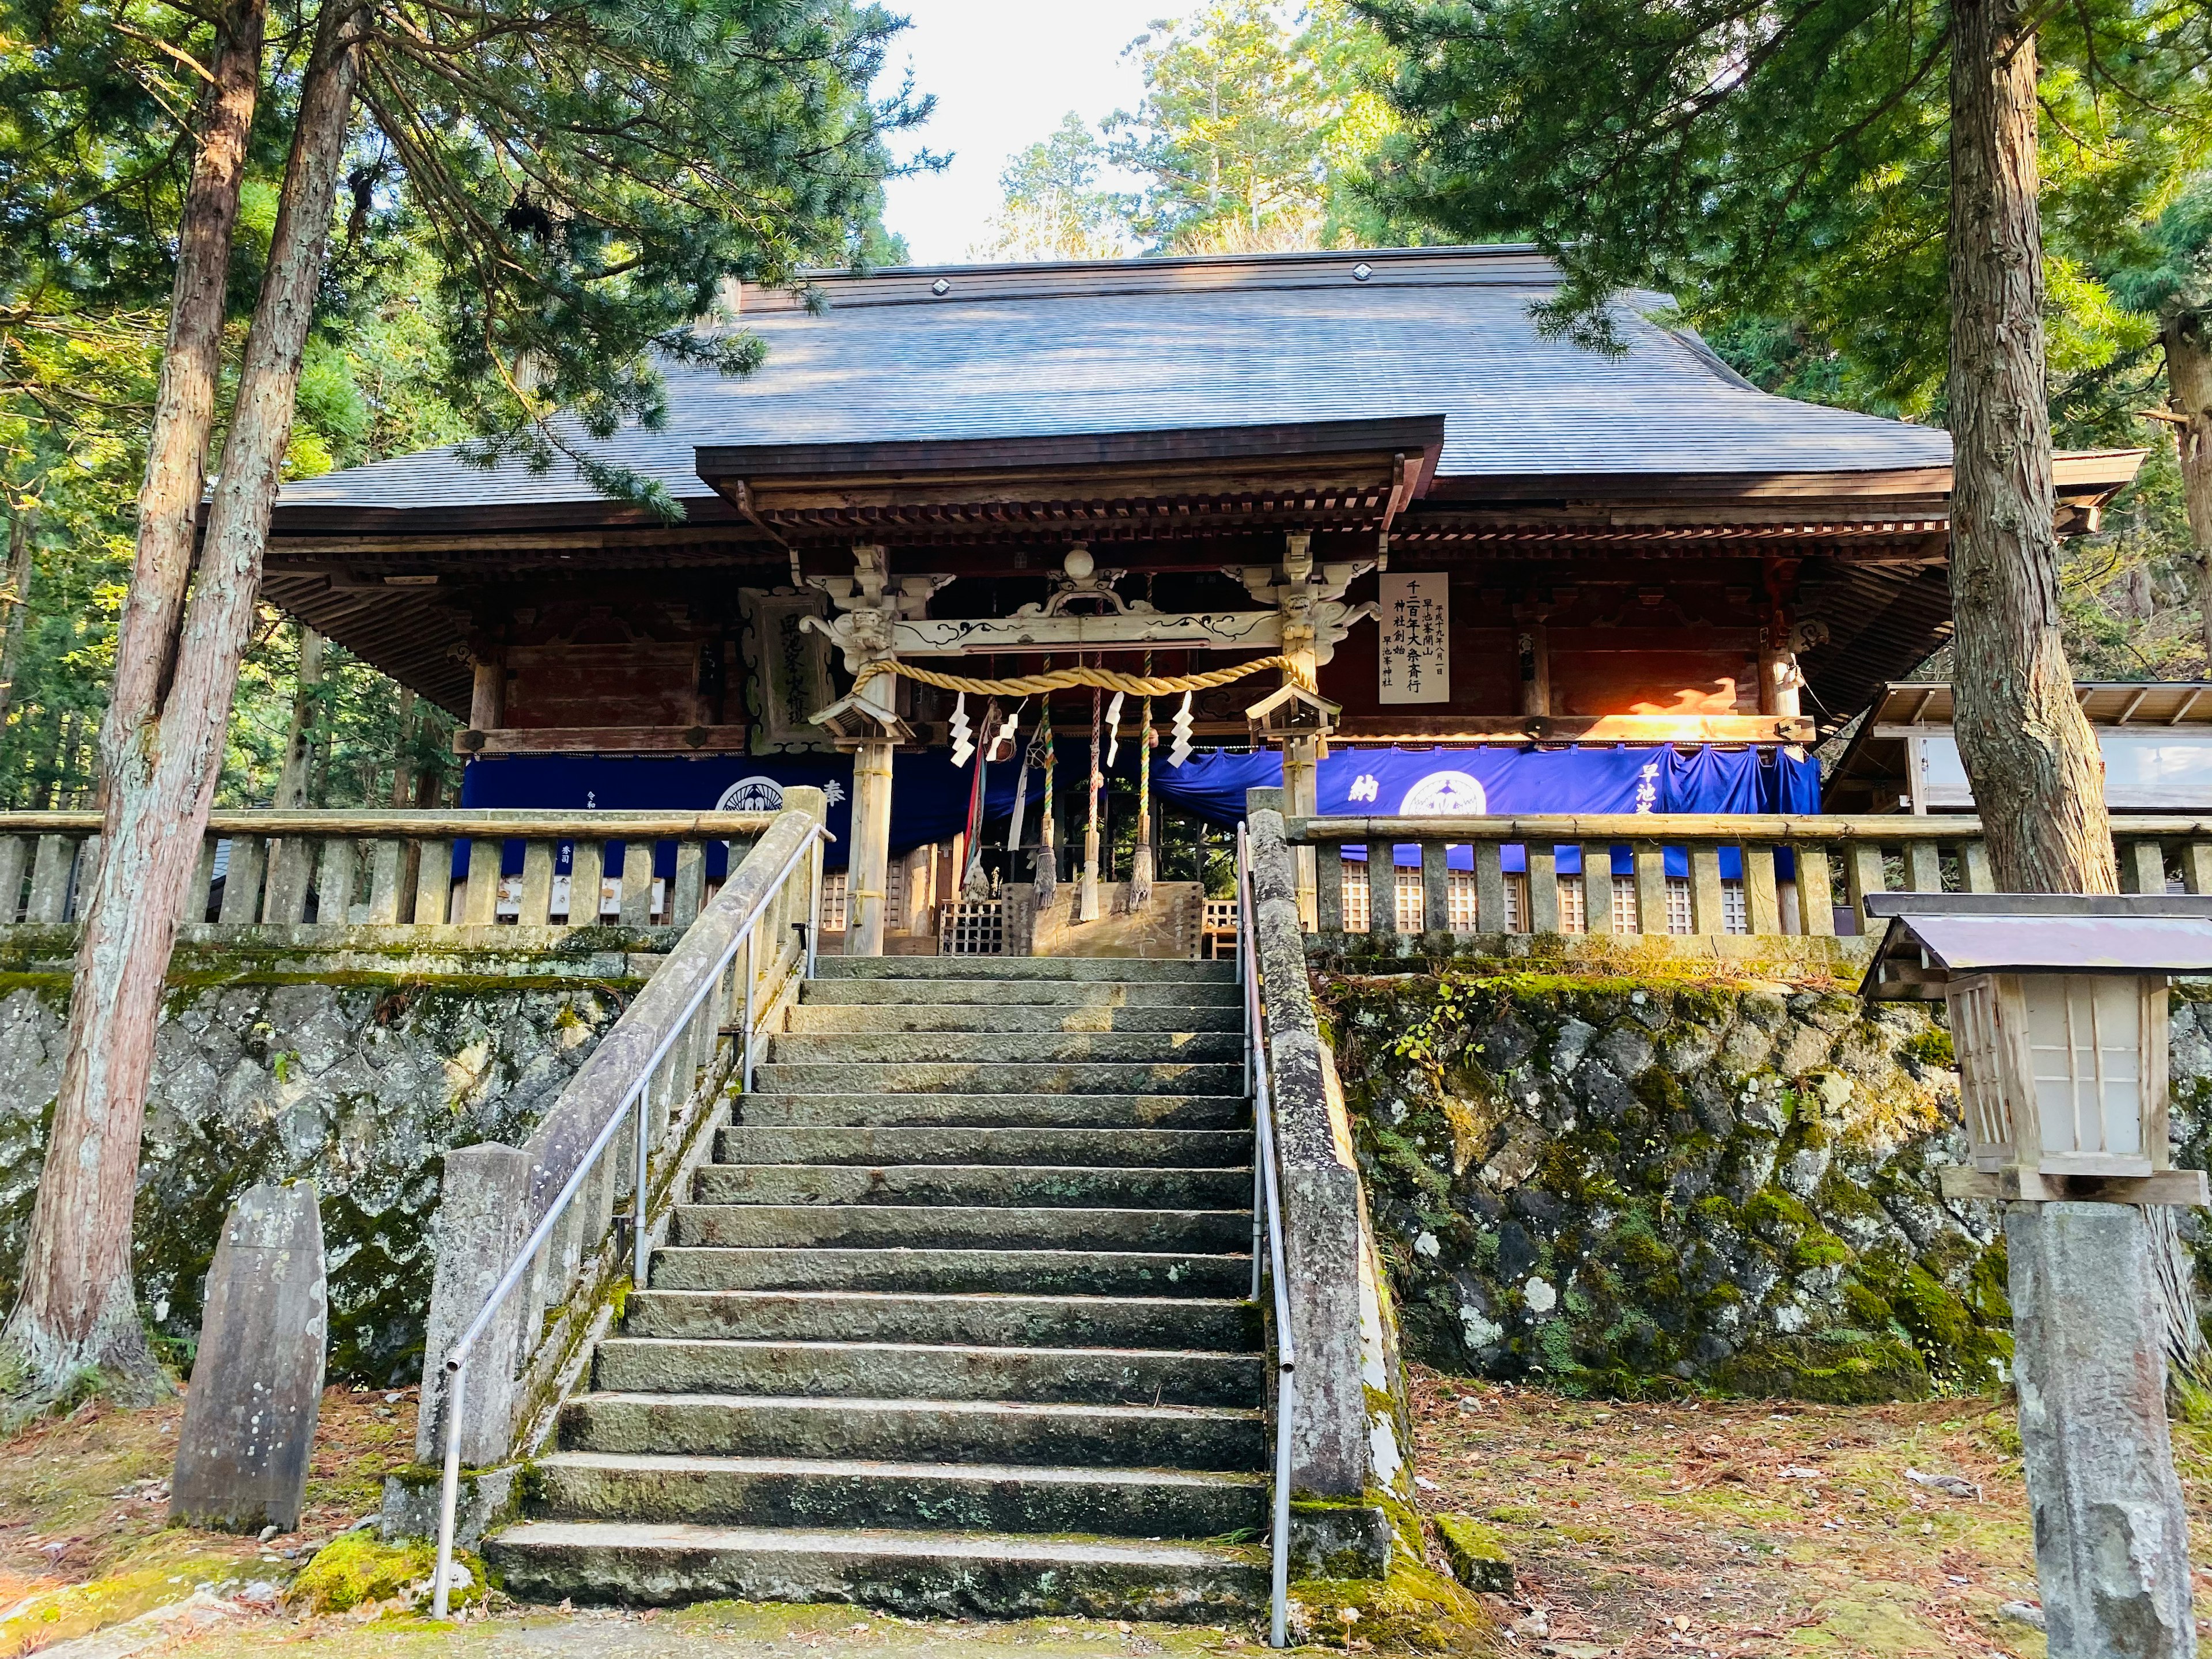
pixel 534 1243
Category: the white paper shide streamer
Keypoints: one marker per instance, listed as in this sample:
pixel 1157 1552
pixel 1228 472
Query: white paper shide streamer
pixel 963 744
pixel 1179 749
pixel 1114 728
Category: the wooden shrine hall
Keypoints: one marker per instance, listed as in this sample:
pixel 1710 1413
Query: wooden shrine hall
pixel 1367 473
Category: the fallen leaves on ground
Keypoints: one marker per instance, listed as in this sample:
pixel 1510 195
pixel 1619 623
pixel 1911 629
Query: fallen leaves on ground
pixel 1744 1527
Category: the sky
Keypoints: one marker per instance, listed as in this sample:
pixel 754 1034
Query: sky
pixel 1004 72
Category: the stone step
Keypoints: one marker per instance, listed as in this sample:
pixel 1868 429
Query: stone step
pixel 988 1016
pixel 971 1077
pixel 875 1370
pixel 1000 1185
pixel 949 1575
pixel 1094 1149
pixel 1017 994
pixel 1001 1109
pixel 981 1048
pixel 792 1491
pixel 945 1431
pixel 980 1320
pixel 1127 970
pixel 947 1227
pixel 931 1272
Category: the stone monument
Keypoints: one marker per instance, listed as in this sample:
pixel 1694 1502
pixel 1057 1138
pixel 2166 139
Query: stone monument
pixel 257 1383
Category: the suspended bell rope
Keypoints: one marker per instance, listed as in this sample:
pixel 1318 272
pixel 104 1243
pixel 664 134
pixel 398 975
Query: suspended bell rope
pixel 1045 869
pixel 1101 678
pixel 972 883
pixel 1022 763
pixel 1092 828
pixel 1140 855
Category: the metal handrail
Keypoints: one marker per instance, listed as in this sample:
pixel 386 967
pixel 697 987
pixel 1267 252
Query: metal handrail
pixel 1267 1210
pixel 634 1106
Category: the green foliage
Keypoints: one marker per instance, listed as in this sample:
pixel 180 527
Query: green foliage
pixel 1794 170
pixel 1256 132
pixel 1052 205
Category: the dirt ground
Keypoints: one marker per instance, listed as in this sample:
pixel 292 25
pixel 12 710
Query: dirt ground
pixel 85 1541
pixel 1740 1529
pixel 1750 1527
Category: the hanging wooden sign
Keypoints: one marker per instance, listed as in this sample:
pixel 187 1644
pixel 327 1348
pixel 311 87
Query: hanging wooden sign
pixel 1415 650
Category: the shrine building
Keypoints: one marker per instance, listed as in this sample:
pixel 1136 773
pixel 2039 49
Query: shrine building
pixel 1479 570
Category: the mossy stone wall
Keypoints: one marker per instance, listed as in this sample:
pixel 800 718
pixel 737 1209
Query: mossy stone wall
pixel 363 1084
pixel 1635 1186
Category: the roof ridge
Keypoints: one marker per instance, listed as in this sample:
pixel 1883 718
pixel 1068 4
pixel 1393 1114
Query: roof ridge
pixel 1518 263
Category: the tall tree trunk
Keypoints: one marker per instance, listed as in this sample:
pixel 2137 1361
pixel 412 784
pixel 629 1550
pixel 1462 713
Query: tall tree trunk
pixel 294 777
pixel 21 523
pixel 403 764
pixel 2187 337
pixel 2100 1476
pixel 183 399
pixel 163 749
pixel 2038 778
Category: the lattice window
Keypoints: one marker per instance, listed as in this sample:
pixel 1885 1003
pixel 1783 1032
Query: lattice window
pixel 1516 904
pixel 895 897
pixel 832 918
pixel 1625 917
pixel 1735 913
pixel 972 927
pixel 1358 918
pixel 1413 908
pixel 1574 918
pixel 1679 917
pixel 1460 898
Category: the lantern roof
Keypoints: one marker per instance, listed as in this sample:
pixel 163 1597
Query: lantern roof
pixel 1933 937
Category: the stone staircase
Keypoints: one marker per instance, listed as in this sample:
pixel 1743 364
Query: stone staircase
pixel 958 1323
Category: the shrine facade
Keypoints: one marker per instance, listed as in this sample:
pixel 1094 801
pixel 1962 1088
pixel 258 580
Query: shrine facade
pixel 1290 503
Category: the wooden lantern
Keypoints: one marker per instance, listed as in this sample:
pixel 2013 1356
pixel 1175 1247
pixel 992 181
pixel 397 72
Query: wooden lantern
pixel 2058 1020
pixel 1292 711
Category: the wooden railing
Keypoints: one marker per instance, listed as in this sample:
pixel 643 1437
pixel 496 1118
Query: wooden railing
pixel 399 869
pixel 1795 876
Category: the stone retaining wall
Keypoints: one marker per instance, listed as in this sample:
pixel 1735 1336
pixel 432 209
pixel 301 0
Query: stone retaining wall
pixel 1627 1185
pixel 311 1062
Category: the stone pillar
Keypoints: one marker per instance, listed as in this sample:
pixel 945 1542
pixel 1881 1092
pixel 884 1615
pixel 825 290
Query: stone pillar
pixel 257 1384
pixel 2112 1537
pixel 484 1218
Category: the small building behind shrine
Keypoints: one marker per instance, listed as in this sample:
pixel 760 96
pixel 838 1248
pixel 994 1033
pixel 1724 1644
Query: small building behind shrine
pixel 1360 527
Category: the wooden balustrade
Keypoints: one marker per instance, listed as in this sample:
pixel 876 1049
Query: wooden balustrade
pixel 1831 864
pixel 399 868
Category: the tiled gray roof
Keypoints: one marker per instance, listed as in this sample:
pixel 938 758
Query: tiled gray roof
pixel 1025 365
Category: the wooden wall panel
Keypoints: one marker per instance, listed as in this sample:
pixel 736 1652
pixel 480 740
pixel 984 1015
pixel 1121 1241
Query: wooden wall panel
pixel 636 683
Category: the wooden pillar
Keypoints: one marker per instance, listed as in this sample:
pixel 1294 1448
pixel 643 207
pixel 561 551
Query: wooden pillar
pixel 1535 668
pixel 1302 755
pixel 487 694
pixel 867 872
pixel 1779 676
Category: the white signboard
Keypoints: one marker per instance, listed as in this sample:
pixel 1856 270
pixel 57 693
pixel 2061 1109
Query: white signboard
pixel 1416 639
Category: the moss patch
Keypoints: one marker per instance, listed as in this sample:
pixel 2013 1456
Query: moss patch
pixel 360 1568
pixel 1413 1610
pixel 165 1571
pixel 1480 1559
